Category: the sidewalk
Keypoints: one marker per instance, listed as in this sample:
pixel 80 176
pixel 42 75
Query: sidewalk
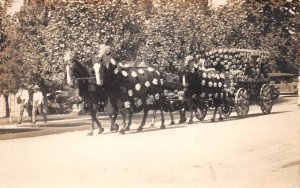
pixel 5 121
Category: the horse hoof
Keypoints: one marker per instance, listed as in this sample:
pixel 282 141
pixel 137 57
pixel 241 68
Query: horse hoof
pixel 172 123
pixel 182 121
pixel 122 131
pixel 221 119
pixel 90 133
pixel 152 125
pixel 127 129
pixel 191 122
pixel 162 127
pixel 112 129
pixel 140 129
pixel 212 120
pixel 101 130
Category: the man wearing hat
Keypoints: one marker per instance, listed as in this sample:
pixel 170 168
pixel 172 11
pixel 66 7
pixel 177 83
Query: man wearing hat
pixel 23 99
pixel 37 104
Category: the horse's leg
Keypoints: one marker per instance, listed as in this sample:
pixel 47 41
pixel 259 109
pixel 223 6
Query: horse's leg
pixel 130 112
pixel 153 118
pixel 200 114
pixel 182 114
pixel 162 126
pixel 113 116
pixel 220 113
pixel 191 106
pixel 90 133
pixel 172 118
pixel 123 112
pixel 140 128
pixel 94 114
pixel 214 115
pixel 171 109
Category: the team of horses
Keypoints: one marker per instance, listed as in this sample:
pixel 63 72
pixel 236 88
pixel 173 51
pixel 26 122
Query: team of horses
pixel 135 89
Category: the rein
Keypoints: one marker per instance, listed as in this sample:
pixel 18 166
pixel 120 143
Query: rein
pixel 85 78
pixel 133 67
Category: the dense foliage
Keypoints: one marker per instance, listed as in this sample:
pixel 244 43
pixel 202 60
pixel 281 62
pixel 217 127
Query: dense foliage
pixel 34 41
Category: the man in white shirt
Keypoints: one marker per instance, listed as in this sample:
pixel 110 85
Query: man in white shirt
pixel 23 97
pixel 37 104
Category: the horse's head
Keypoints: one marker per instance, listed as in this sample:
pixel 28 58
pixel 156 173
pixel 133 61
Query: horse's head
pixel 107 65
pixel 75 69
pixel 99 73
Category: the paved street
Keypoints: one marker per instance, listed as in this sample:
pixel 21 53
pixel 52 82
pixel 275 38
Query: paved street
pixel 258 151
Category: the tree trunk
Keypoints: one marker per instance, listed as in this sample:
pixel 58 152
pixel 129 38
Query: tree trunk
pixel 46 105
pixel 7 111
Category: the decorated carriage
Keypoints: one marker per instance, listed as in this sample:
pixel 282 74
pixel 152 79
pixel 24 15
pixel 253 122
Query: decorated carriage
pixel 230 79
pixel 246 79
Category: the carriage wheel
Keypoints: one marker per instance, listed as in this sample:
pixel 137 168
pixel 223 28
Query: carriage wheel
pixel 241 102
pixel 265 99
pixel 226 109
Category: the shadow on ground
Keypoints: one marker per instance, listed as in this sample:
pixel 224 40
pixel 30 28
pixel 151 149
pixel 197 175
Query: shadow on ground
pixel 17 130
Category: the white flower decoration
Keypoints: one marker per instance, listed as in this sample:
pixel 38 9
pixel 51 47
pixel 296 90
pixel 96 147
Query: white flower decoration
pixel 116 71
pixel 166 92
pixel 141 71
pixel 112 61
pixel 133 74
pixel 155 81
pixel 203 82
pixel 150 69
pixel 147 84
pixel 130 93
pixel 137 87
pixel 181 93
pixel 127 104
pixel 124 73
pixel 215 84
pixel 219 84
pixel 156 96
pixel 139 102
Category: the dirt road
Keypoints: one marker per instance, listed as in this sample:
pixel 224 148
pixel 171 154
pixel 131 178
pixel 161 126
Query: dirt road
pixel 259 151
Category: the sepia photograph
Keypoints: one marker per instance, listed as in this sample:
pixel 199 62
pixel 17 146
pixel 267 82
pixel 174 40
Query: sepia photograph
pixel 149 93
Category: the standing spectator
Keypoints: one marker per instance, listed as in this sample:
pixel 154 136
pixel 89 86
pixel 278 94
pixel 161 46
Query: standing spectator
pixel 23 99
pixel 299 90
pixel 37 104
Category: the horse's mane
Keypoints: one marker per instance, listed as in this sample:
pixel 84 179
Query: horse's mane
pixel 80 68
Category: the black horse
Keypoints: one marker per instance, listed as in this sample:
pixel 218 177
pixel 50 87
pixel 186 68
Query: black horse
pixel 138 89
pixel 92 94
